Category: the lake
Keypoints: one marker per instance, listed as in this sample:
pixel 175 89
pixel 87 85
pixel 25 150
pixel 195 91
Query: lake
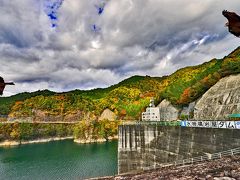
pixel 58 160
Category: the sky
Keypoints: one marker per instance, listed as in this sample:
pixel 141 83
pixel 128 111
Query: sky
pixel 63 45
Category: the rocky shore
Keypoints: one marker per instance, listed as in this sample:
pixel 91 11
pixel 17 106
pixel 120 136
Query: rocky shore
pixel 227 168
pixel 80 141
pixel 86 141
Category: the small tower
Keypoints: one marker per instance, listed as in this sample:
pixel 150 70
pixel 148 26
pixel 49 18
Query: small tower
pixel 151 102
pixel 152 113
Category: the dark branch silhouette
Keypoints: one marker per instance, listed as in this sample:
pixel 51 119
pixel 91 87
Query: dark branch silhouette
pixel 3 84
pixel 233 23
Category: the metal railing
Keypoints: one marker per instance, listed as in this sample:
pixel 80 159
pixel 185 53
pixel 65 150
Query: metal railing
pixel 198 159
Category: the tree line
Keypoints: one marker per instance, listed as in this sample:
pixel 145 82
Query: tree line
pixel 82 130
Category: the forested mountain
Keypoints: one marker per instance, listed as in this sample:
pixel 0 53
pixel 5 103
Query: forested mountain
pixel 128 98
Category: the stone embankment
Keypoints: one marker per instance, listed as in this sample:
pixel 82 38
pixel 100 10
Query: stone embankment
pixel 227 168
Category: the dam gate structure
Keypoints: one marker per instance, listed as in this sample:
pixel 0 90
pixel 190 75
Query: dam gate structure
pixel 149 145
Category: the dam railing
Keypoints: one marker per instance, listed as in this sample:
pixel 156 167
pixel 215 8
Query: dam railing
pixel 198 159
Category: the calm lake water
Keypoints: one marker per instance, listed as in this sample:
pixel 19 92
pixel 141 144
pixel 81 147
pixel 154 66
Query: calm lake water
pixel 58 160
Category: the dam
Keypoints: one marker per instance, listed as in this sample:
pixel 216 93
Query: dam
pixel 149 145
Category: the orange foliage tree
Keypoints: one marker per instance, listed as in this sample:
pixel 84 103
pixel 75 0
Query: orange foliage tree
pixel 184 98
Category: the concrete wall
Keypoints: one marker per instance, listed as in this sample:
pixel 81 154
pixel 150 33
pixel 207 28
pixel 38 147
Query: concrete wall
pixel 148 145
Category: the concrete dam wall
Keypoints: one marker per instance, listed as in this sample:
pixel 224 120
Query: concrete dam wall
pixel 142 146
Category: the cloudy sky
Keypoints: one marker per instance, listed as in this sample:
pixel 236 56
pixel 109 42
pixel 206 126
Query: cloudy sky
pixel 82 44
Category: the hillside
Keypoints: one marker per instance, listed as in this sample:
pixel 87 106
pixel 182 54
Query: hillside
pixel 128 98
pixel 7 102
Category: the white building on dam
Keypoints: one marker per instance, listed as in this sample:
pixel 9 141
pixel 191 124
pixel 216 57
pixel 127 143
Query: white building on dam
pixel 152 113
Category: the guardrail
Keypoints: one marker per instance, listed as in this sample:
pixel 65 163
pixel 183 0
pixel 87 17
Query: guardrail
pixel 198 159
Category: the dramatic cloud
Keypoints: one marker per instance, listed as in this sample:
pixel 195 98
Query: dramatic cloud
pixel 67 44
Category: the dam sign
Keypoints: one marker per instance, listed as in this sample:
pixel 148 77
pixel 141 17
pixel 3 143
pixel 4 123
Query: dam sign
pixel 212 124
pixel 193 124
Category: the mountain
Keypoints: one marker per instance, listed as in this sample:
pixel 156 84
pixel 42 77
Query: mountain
pixel 7 102
pixel 128 98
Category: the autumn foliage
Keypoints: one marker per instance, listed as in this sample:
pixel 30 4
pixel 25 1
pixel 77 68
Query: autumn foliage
pixel 128 98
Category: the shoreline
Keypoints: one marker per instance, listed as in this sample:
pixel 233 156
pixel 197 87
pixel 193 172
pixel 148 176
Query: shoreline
pixel 7 143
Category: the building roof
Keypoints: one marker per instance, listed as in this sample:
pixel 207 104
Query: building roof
pixel 234 115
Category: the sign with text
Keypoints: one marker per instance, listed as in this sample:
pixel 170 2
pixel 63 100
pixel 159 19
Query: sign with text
pixel 183 123
pixel 212 124
pixel 230 125
pixel 237 124
pixel 222 124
